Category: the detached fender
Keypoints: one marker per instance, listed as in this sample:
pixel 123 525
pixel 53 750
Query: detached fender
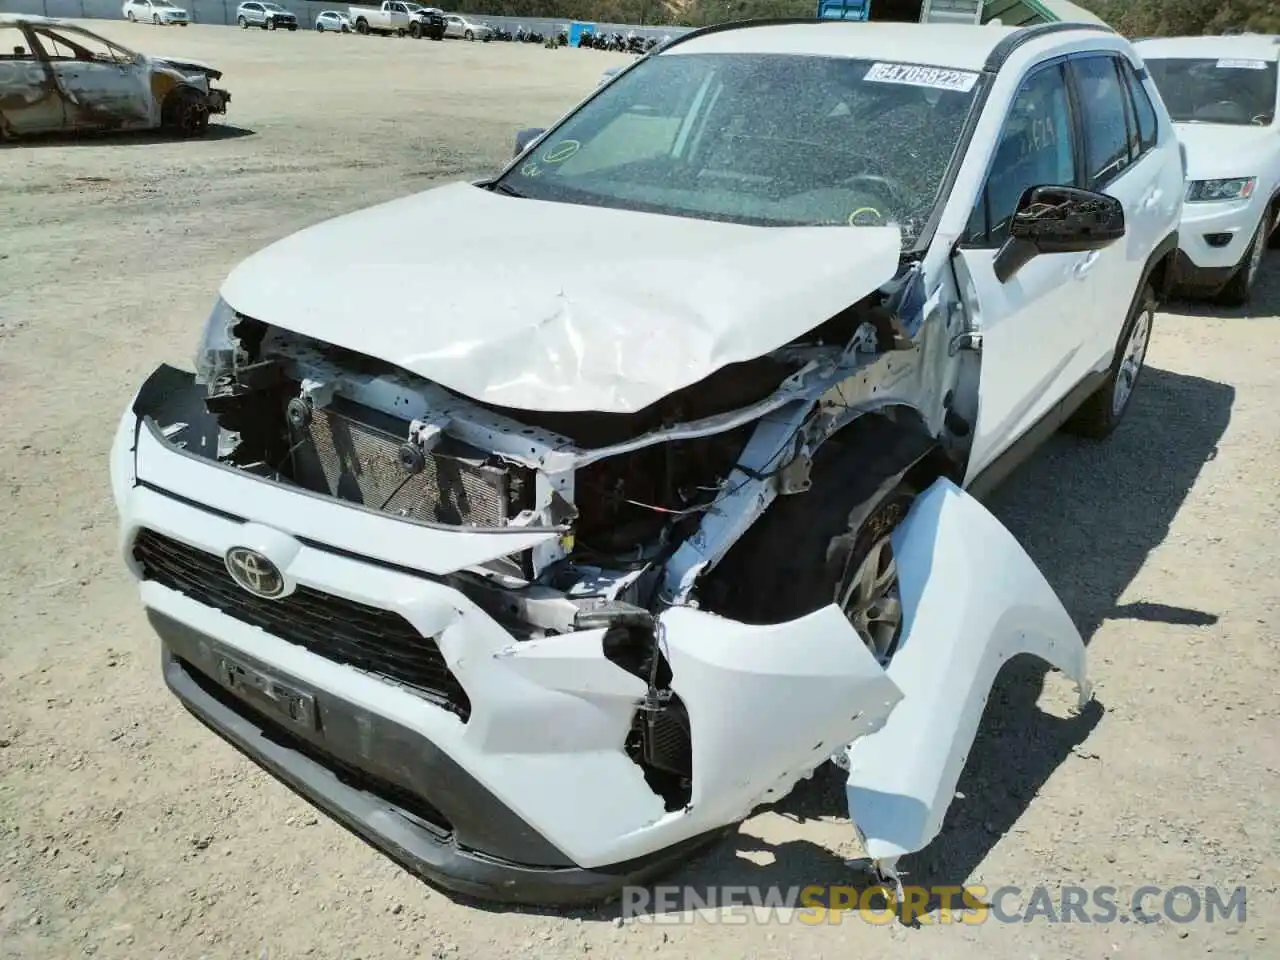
pixel 972 599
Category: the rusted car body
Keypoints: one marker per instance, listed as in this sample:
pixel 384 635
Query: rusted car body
pixel 56 76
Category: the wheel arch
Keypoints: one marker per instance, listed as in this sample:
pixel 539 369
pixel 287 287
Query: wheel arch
pixel 1159 271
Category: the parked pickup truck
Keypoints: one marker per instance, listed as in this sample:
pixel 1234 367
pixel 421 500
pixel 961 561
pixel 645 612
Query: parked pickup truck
pixel 400 17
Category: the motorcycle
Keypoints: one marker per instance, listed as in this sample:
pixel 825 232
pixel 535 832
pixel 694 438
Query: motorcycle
pixel 500 32
pixel 585 39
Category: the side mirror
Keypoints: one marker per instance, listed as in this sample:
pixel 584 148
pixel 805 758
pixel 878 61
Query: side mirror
pixel 526 137
pixel 1053 219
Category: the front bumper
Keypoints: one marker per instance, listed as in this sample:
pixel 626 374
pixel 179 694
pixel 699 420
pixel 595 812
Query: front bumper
pixel 537 799
pixel 1214 237
pixel 348 764
pixel 218 100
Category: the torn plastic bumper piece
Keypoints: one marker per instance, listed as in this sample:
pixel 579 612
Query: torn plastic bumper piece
pixel 972 599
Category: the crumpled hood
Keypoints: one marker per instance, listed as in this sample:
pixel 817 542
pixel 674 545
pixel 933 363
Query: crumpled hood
pixel 1220 150
pixel 555 306
pixel 187 65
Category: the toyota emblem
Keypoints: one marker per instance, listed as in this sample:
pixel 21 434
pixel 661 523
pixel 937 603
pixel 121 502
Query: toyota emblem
pixel 254 572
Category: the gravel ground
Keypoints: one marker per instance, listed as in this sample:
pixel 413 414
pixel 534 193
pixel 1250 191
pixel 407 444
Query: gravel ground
pixel 127 830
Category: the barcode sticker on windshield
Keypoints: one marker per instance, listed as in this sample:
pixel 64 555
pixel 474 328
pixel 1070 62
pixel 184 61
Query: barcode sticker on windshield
pixel 1242 64
pixel 935 77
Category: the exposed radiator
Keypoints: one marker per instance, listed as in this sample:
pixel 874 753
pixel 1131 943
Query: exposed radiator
pixel 353 453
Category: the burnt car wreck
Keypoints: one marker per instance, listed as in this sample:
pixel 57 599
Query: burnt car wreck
pixel 57 77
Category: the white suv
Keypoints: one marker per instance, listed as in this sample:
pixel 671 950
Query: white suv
pixel 1222 95
pixel 539 585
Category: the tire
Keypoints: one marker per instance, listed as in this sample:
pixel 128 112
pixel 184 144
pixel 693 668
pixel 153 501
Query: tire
pixel 155 20
pixel 468 35
pixel 1240 287
pixel 319 27
pixel 130 17
pixel 1103 410
pixel 270 25
pixel 362 27
pixel 415 30
pixel 805 551
pixel 244 24
pixel 184 114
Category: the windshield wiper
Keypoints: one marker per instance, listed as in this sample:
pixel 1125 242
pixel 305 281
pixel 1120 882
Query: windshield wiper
pixel 509 190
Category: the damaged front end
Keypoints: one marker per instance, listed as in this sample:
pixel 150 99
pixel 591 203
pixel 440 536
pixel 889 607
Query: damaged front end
pixel 520 590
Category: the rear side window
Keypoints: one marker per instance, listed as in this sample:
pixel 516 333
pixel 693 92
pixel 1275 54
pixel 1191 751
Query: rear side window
pixel 1103 102
pixel 1143 109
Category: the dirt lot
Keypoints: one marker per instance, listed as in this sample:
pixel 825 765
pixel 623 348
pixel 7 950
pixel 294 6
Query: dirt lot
pixel 127 830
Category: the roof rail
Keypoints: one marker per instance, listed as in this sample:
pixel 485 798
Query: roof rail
pixel 741 24
pixel 1006 47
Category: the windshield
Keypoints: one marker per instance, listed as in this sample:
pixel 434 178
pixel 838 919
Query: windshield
pixel 1212 90
pixel 769 139
pixel 272 6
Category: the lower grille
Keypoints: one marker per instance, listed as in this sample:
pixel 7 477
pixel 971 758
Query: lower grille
pixel 376 641
pixel 353 453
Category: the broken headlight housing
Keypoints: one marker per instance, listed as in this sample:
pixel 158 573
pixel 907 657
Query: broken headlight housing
pixel 220 353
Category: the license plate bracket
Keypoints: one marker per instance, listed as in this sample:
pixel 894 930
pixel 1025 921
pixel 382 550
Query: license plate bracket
pixel 268 694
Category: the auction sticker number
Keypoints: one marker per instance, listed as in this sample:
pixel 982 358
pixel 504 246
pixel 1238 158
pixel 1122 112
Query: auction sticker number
pixel 938 78
pixel 1242 64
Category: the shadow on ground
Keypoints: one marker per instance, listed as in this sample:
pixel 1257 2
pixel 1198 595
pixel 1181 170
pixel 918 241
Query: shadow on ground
pixel 1088 515
pixel 216 131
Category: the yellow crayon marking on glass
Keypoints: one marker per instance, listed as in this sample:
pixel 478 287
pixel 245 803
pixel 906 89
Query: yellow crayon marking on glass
pixel 853 217
pixel 531 169
pixel 562 151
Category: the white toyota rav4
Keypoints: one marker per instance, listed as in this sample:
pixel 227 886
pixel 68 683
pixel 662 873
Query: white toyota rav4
pixel 540 584
pixel 1222 95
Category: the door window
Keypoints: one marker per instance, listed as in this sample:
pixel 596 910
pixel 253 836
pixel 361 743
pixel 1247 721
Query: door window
pixel 1106 129
pixel 1036 148
pixel 1144 111
pixel 13 45
pixel 71 44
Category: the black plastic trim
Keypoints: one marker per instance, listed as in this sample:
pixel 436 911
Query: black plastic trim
pixel 467 857
pixel 1003 50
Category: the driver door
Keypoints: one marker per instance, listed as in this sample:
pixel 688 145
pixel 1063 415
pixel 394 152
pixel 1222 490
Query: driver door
pixel 1034 325
pixel 101 88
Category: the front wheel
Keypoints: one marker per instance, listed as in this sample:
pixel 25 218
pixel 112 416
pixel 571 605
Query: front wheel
pixel 1103 410
pixel 415 31
pixel 130 17
pixel 362 27
pixel 469 35
pixel 244 24
pixel 185 113
pixel 830 544
pixel 319 28
pixel 270 24
pixel 155 20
